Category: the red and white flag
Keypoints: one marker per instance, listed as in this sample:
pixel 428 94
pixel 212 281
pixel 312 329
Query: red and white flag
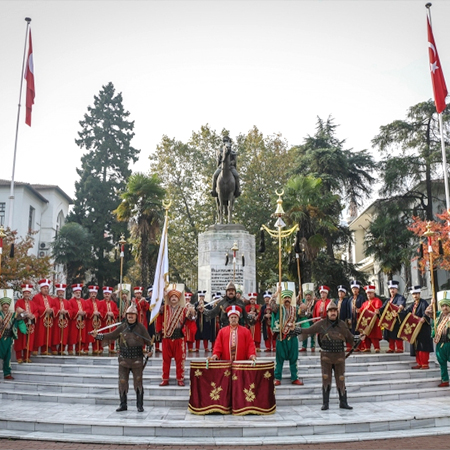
pixel 437 76
pixel 29 76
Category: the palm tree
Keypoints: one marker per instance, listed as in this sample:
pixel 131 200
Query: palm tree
pixel 141 207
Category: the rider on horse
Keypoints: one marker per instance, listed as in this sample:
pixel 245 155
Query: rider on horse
pixel 233 158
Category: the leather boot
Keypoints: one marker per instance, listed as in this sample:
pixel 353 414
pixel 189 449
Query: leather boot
pixel 326 398
pixel 123 402
pixel 140 400
pixel 343 400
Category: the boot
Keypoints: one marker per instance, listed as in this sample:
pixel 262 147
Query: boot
pixel 123 402
pixel 326 398
pixel 140 400
pixel 343 400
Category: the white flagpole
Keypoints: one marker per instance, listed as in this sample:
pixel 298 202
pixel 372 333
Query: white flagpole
pixel 11 194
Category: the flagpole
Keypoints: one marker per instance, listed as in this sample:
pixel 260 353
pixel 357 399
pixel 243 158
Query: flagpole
pixel 441 128
pixel 11 195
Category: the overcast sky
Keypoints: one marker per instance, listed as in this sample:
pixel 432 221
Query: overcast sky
pixel 232 64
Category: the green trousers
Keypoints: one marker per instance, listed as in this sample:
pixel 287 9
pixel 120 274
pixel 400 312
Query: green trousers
pixel 305 342
pixel 5 354
pixel 287 350
pixel 443 356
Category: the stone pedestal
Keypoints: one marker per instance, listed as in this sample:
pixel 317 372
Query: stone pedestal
pixel 213 274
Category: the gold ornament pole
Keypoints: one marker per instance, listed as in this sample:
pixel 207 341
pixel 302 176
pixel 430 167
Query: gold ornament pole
pixel 297 257
pixel 429 233
pixel 279 224
pixel 122 243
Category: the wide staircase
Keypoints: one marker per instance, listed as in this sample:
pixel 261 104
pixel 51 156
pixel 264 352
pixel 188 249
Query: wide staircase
pixel 74 399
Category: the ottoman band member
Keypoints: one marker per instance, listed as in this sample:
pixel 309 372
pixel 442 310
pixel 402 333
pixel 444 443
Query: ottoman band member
pixel 9 322
pixel 333 334
pixel 132 337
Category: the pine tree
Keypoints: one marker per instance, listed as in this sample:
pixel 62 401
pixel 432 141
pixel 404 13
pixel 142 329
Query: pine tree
pixel 106 134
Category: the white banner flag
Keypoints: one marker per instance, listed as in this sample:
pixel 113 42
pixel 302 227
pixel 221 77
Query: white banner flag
pixel 161 275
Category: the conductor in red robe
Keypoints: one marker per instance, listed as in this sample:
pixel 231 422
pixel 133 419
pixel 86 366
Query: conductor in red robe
pixel 63 314
pixel 234 342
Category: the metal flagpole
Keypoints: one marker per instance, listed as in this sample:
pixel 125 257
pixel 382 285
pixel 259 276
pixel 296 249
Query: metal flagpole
pixel 441 130
pixel 11 195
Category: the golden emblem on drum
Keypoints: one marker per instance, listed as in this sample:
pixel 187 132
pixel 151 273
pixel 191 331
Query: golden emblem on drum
pixel 249 394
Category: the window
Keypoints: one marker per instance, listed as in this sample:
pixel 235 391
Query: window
pixel 421 278
pixel 31 220
pixel 2 213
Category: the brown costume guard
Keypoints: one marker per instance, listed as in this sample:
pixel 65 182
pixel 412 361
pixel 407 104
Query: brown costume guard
pixel 333 334
pixel 132 337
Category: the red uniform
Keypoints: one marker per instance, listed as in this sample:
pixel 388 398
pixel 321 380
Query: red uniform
pixel 320 308
pixel 77 326
pixel 170 323
pixel 94 322
pixel 375 335
pixel 109 319
pixel 142 306
pixel 24 345
pixel 240 338
pixel 44 323
pixel 61 325
pixel 255 329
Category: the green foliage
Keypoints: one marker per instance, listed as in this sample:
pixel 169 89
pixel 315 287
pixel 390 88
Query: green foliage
pixel 326 176
pixel 106 134
pixel 186 170
pixel 389 240
pixel 72 248
pixel 141 208
pixel 412 154
pixel 23 267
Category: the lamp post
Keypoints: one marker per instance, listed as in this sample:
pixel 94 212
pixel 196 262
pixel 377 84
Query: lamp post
pixel 2 236
pixel 122 243
pixel 277 233
pixel 234 249
pixel 429 234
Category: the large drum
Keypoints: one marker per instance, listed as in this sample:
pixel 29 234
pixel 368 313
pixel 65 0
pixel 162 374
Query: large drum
pixel 252 388
pixel 210 387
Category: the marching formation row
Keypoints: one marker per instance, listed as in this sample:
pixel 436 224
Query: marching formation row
pixel 229 326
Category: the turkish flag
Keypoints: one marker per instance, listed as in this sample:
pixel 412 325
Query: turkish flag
pixel 437 76
pixel 29 76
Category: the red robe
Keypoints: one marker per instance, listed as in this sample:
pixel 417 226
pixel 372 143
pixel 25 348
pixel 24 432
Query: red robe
pixel 44 323
pixel 26 341
pixel 142 306
pixel 94 323
pixel 320 308
pixel 77 327
pixel 255 329
pixel 61 323
pixel 245 347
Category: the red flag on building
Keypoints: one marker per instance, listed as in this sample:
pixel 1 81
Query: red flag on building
pixel 29 76
pixel 437 76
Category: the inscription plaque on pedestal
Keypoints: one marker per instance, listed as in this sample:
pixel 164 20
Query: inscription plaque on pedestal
pixel 213 245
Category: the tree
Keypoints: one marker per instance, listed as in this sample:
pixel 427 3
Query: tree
pixel 72 248
pixel 106 134
pixel 187 170
pixel 141 208
pixel 389 240
pixel 23 266
pixel 412 150
pixel 327 176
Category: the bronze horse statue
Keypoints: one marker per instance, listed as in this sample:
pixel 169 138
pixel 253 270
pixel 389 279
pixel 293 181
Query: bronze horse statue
pixel 226 185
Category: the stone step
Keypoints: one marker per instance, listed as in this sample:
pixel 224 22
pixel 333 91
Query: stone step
pixel 33 377
pixel 175 426
pixel 175 396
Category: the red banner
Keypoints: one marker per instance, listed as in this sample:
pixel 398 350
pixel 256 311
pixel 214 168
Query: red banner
pixel 388 318
pixel 409 329
pixel 210 387
pixel 253 390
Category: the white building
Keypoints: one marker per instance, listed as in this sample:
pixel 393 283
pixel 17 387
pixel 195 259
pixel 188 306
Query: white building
pixel 359 227
pixel 38 208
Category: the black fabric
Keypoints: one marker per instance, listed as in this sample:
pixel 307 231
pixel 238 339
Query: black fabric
pixel 177 334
